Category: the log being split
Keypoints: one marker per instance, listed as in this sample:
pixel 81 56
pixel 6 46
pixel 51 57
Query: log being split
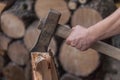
pixel 77 62
pixel 13 72
pixel 18 53
pixel 14 20
pixel 32 35
pixel 43 67
pixel 42 7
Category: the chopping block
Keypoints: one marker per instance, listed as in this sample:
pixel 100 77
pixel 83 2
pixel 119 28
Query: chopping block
pixel 50 27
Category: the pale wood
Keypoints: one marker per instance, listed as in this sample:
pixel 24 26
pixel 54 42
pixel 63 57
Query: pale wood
pixel 12 26
pixel 13 72
pixel 4 41
pixel 43 6
pixel 83 1
pixel 16 18
pixel 42 67
pixel 32 35
pixel 18 53
pixel 77 62
pixel 85 17
pixel 99 46
pixel 68 76
pixel 72 5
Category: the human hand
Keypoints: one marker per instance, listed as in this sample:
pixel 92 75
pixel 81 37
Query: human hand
pixel 81 38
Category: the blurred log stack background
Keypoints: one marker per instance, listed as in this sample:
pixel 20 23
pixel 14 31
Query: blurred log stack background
pixel 19 33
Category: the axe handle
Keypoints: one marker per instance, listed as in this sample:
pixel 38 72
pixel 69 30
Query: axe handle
pixel 102 47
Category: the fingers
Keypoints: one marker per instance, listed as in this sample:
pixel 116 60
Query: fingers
pixel 78 38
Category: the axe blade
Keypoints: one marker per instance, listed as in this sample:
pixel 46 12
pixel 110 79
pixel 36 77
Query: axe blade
pixel 47 31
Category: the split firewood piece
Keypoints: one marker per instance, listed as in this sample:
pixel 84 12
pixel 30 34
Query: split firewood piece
pixel 72 4
pixel 77 62
pixel 4 41
pixel 32 35
pixel 18 53
pixel 43 6
pixel 70 77
pixel 43 67
pixel 2 61
pixel 13 72
pixel 85 17
pixel 14 20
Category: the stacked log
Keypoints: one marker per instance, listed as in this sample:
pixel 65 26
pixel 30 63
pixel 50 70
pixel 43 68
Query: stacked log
pixel 42 7
pixel 82 65
pixel 19 34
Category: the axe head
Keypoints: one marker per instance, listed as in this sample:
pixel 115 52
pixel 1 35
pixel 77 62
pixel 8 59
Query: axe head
pixel 48 29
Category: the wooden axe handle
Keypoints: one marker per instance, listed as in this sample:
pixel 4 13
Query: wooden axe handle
pixel 102 47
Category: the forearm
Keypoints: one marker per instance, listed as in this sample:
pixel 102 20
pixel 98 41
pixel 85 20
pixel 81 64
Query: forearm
pixel 107 27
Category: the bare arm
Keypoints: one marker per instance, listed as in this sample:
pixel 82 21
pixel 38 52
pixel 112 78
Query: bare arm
pixel 107 27
pixel 82 38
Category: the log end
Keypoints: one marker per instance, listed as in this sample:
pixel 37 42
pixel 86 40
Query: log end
pixel 77 62
pixel 12 26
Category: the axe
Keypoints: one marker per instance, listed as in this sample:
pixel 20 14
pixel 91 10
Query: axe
pixel 50 27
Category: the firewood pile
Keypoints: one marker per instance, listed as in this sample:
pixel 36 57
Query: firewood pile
pixel 19 33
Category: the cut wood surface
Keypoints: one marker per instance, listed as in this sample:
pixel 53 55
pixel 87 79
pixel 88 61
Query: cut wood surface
pixel 42 67
pixel 18 53
pixel 4 41
pixel 72 4
pixel 77 62
pixel 15 19
pixel 43 6
pixel 83 1
pixel 13 72
pixel 32 35
pixel 70 77
pixel 12 26
pixel 85 17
